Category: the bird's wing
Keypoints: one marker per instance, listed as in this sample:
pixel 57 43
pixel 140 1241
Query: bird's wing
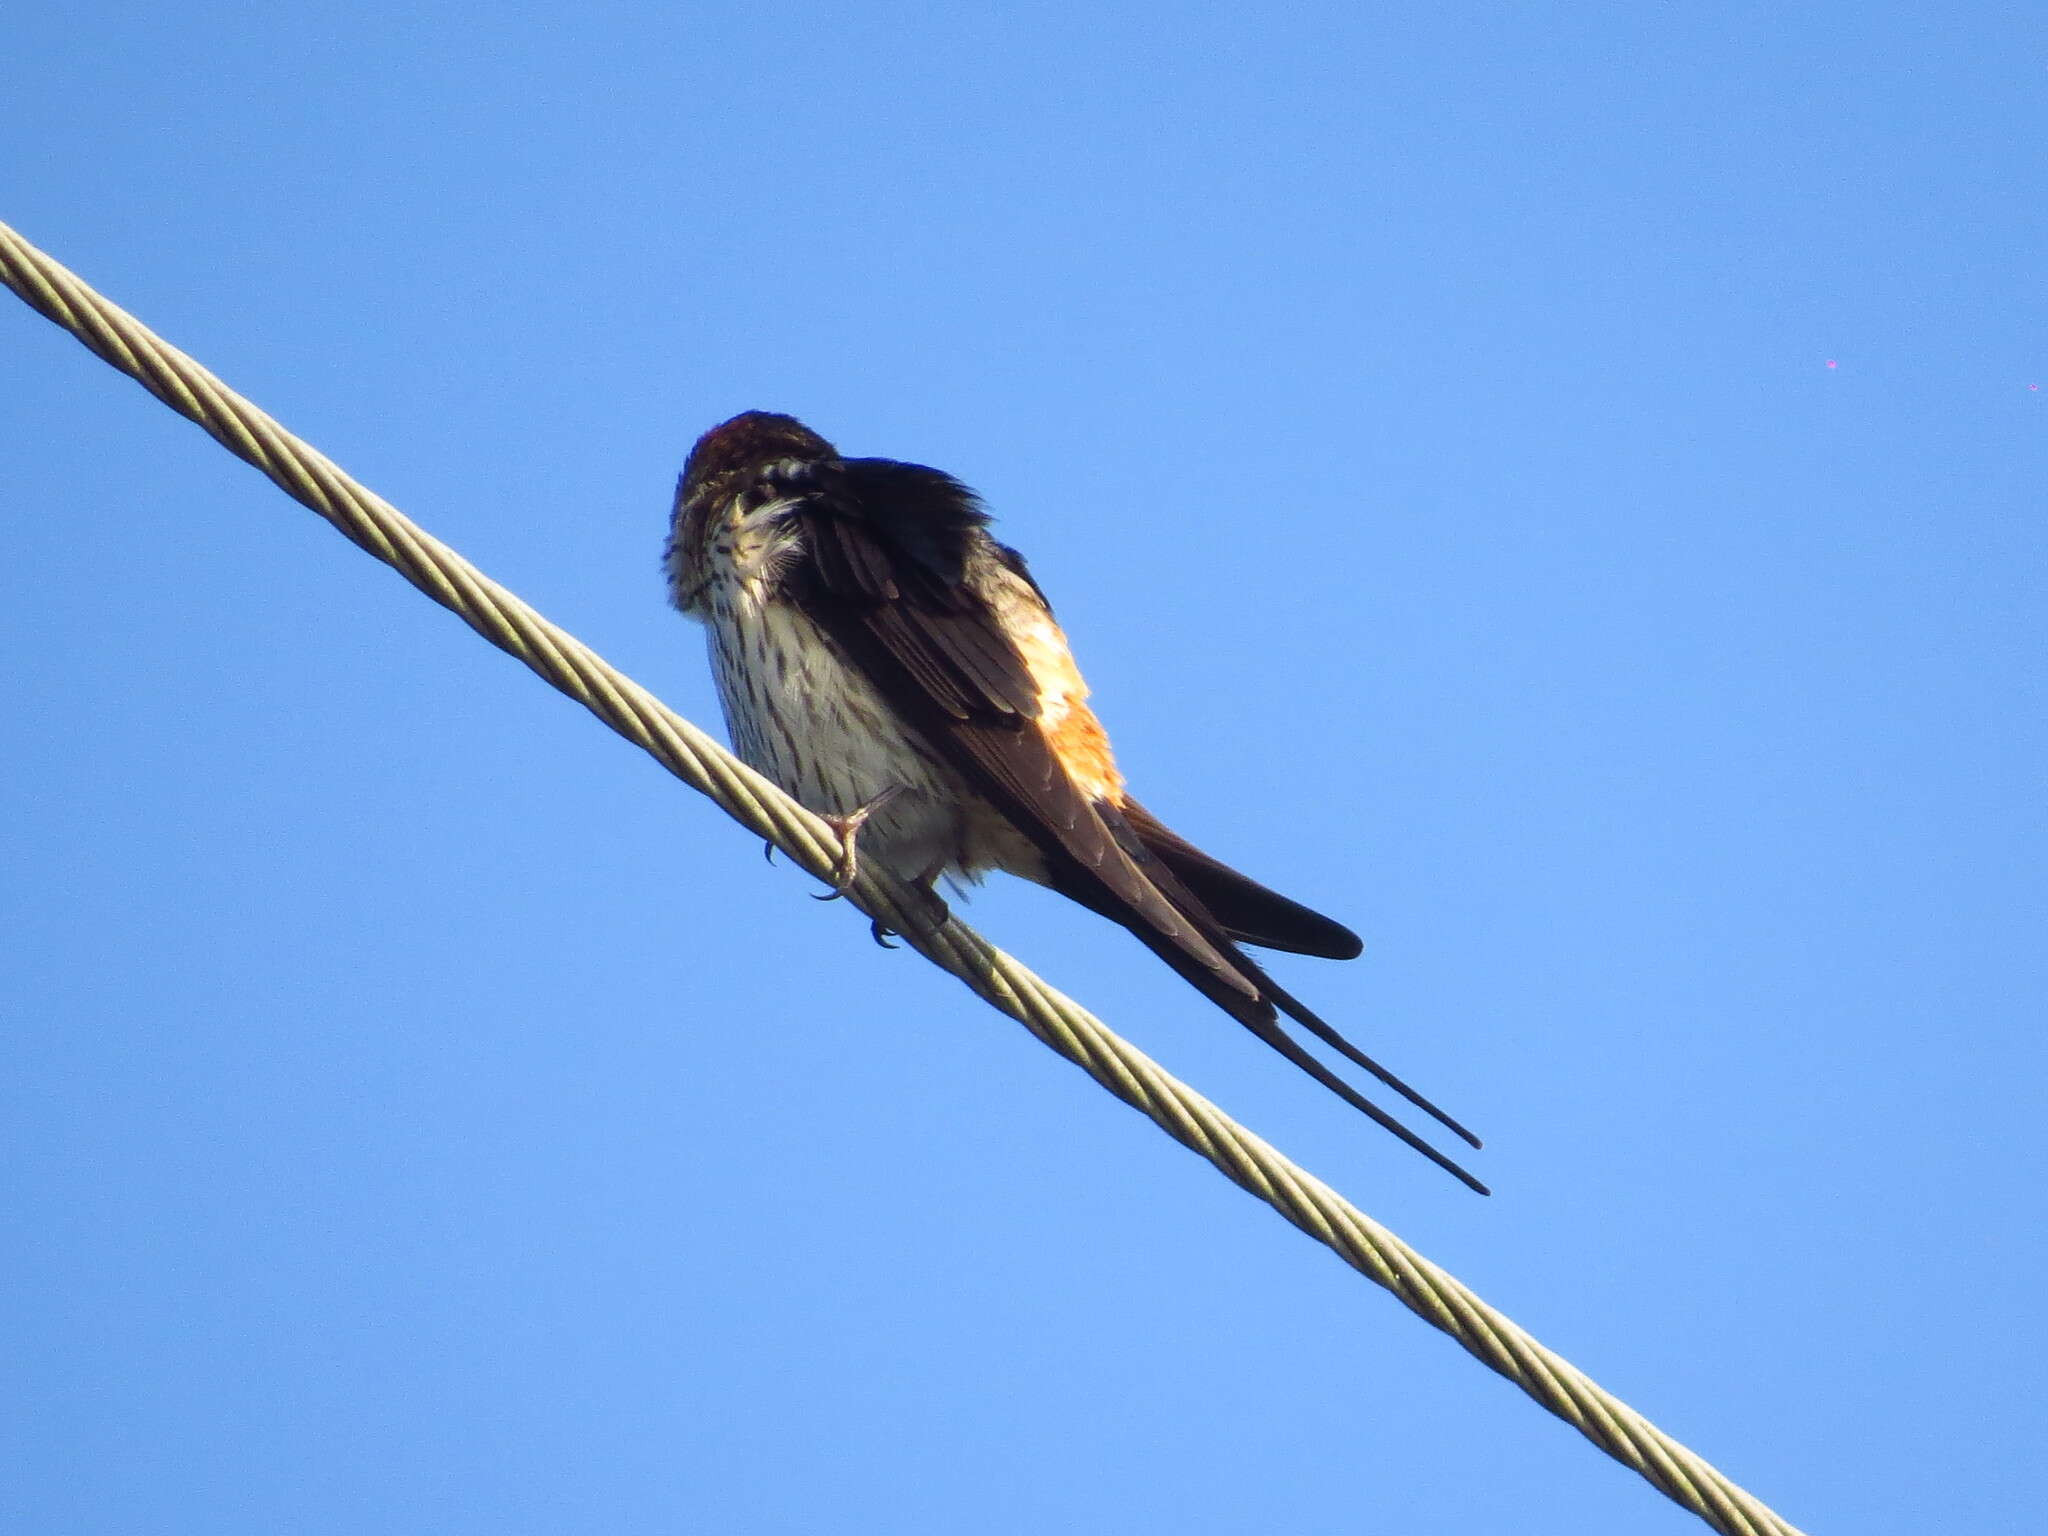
pixel 890 558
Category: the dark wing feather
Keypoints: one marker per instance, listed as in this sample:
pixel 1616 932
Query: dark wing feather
pixel 901 572
pixel 1246 910
pixel 888 550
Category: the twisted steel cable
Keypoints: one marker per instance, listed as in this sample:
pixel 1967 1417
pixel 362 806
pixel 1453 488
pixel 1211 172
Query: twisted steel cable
pixel 376 526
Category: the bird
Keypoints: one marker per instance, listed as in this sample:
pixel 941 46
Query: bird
pixel 884 660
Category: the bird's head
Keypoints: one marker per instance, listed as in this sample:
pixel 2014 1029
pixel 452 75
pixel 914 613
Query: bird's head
pixel 727 462
pixel 746 443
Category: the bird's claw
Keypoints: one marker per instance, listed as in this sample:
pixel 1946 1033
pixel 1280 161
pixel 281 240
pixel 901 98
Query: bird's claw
pixel 847 870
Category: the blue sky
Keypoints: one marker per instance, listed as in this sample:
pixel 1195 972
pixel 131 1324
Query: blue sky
pixel 1558 487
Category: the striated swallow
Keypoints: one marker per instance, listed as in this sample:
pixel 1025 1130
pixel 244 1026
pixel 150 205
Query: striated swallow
pixel 895 669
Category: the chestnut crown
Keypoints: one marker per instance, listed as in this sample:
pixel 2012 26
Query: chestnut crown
pixel 749 440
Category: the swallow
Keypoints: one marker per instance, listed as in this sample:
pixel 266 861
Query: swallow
pixel 880 657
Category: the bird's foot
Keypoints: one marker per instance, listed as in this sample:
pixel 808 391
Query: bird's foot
pixel 847 869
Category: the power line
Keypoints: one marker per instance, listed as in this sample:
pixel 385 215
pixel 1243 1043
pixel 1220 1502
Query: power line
pixel 372 523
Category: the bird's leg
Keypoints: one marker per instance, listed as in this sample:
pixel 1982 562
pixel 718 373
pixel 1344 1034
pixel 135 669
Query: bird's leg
pixel 927 882
pixel 847 870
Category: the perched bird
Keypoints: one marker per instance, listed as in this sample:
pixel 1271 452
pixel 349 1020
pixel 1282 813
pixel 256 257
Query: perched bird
pixel 895 669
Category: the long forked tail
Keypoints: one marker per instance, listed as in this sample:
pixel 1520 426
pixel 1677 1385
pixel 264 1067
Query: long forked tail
pixel 1254 1000
pixel 1197 886
pixel 1295 1009
pixel 1269 1030
pixel 1148 891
